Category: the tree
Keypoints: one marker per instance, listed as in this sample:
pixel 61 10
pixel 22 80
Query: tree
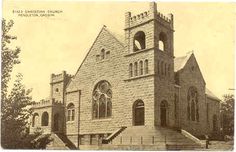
pixel 15 115
pixel 15 105
pixel 227 114
pixel 10 57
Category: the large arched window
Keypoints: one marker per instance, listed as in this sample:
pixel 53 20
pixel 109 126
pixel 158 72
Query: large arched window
pixel 162 41
pixel 70 112
pixel 192 106
pixel 35 119
pixel 102 105
pixel 139 41
pixel 44 121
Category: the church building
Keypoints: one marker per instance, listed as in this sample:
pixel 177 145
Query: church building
pixel 130 90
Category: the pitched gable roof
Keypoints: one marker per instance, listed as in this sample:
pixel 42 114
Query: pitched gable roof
pixel 180 62
pixel 211 95
pixel 118 38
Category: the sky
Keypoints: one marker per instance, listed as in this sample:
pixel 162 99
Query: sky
pixel 60 42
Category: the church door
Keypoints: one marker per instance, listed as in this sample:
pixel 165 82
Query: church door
pixel 56 122
pixel 163 115
pixel 138 110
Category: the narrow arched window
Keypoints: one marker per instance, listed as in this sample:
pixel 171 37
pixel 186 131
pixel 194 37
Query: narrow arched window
pixel 165 69
pixel 168 70
pixel 131 70
pixel 108 54
pixel 162 68
pixel 214 122
pixel 95 110
pixel 109 107
pixel 70 112
pixel 35 120
pixel 139 41
pixel 161 45
pixel 162 41
pixel 193 110
pixel 158 66
pixel 102 54
pixel 141 67
pixel 135 69
pixel 188 111
pixel 102 104
pixel 45 118
pixel 192 98
pixel 146 66
pixel 176 103
pixel 97 57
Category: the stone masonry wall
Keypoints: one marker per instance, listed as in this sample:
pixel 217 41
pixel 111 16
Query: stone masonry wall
pixel 188 78
pixel 214 108
pixel 40 111
pixel 90 73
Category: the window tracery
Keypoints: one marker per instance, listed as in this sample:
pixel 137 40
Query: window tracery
pixel 102 100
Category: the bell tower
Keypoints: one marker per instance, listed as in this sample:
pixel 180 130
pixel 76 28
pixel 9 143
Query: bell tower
pixel 149 38
pixel 149 29
pixel 154 32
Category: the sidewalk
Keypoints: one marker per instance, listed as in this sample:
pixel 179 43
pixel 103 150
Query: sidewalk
pixel 219 146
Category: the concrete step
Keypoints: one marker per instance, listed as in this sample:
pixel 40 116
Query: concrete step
pixel 60 142
pixel 181 147
pixel 143 135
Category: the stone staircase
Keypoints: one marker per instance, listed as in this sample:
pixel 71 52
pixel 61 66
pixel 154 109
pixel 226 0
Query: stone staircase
pixel 151 138
pixel 60 142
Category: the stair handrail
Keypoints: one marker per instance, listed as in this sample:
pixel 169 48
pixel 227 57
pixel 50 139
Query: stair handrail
pixel 59 141
pixel 66 141
pixel 192 137
pixel 113 135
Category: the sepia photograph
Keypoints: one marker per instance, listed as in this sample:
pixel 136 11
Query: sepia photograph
pixel 120 75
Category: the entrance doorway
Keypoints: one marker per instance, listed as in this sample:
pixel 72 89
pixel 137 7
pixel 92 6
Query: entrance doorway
pixel 138 113
pixel 163 115
pixel 56 122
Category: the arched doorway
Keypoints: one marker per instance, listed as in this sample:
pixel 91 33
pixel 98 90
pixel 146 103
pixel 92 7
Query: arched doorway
pixel 163 115
pixel 56 122
pixel 44 121
pixel 138 113
pixel 35 120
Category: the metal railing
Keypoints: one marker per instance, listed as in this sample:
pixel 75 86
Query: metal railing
pixel 149 140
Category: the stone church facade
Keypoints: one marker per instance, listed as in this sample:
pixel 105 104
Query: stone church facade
pixel 127 81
